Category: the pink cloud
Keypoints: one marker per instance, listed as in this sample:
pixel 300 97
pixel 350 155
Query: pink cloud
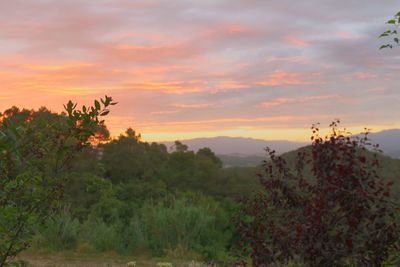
pixel 290 59
pixel 297 42
pixel 192 106
pixel 349 35
pixel 361 76
pixel 281 78
pixel 280 101
pixel 168 87
pixel 376 90
pixel 183 65
pixel 165 112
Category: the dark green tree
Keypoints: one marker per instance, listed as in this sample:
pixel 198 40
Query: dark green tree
pixel 36 148
pixel 127 158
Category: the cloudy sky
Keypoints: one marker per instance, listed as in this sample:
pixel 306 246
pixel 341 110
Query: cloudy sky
pixel 189 68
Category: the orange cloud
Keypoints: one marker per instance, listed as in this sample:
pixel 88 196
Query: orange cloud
pixel 173 87
pixel 192 106
pixel 166 112
pixel 206 123
pixel 205 126
pixel 282 78
pixel 229 85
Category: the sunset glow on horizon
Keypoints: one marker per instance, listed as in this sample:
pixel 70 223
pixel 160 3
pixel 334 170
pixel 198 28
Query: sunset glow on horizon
pixel 185 69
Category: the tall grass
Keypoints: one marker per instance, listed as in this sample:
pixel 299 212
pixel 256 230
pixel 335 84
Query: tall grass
pixel 183 226
pixel 166 226
pixel 61 231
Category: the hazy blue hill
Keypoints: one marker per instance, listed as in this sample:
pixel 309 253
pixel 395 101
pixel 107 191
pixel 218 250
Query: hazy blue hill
pixel 239 146
pixel 245 152
pixel 388 140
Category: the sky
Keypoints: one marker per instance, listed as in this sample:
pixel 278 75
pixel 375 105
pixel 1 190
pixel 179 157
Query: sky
pixel 180 69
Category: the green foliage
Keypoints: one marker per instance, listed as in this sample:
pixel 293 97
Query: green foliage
pixel 392 33
pixel 84 190
pixel 127 195
pixel 36 149
pixel 126 158
pixel 103 237
pixel 61 231
pixel 184 224
pixel 187 223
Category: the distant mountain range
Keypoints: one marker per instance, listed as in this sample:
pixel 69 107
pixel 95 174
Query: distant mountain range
pixel 388 140
pixel 239 151
pixel 224 145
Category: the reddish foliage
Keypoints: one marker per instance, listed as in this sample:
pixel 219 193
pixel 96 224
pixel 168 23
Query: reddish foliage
pixel 331 209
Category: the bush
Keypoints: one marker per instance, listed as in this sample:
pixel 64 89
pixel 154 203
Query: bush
pixel 61 231
pixel 36 149
pixel 103 237
pixel 183 224
pixel 342 215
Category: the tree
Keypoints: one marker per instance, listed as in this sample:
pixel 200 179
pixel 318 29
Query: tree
pixel 331 209
pixel 127 158
pixel 207 153
pixel 180 147
pixel 392 33
pixel 36 148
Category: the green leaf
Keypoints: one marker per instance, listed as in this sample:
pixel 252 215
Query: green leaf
pixel 392 21
pixel 107 101
pixel 104 113
pixel 97 104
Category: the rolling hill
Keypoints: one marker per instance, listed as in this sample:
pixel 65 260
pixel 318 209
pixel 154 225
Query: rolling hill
pixel 244 152
pixel 239 146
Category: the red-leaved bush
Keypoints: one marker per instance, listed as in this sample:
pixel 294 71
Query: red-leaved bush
pixel 328 208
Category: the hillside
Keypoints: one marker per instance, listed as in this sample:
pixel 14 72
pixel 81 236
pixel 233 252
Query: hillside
pixel 389 167
pixel 224 145
pixel 244 152
pixel 235 160
pixel 388 140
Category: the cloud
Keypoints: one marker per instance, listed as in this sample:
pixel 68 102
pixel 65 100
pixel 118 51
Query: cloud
pixel 281 78
pixel 210 65
pixel 297 42
pixel 192 106
pixel 301 100
pixel 172 87
pixel 362 76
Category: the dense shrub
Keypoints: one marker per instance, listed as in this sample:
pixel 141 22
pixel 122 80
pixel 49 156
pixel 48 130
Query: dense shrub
pixel 185 223
pixel 102 237
pixel 341 215
pixel 61 231
pixel 37 148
